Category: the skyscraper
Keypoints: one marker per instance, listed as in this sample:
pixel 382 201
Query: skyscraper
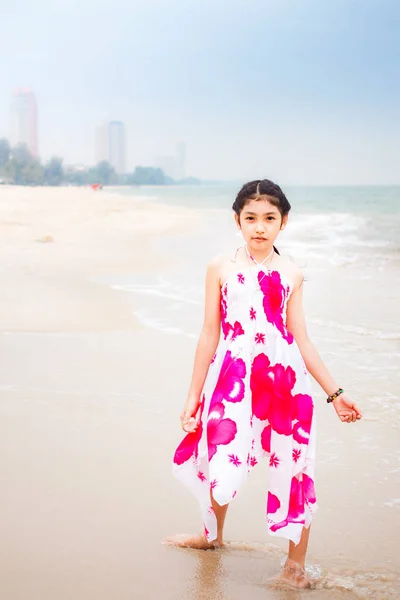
pixel 116 144
pixel 24 120
pixel 110 145
pixel 101 143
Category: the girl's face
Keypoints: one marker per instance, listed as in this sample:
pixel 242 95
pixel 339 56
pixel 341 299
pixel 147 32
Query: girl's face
pixel 260 223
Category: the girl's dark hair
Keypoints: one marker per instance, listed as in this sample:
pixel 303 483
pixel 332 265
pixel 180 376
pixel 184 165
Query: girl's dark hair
pixel 262 189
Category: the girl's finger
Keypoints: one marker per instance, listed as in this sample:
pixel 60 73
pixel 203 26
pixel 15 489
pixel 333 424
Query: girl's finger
pixel 344 413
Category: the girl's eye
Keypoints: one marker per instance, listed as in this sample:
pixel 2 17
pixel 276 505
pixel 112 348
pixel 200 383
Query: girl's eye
pixel 249 218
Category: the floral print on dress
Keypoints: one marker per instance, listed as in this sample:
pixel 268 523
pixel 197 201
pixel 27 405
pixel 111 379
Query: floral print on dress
pixel 274 460
pixel 302 493
pixel 296 453
pixel 273 503
pixel 188 447
pixel 234 460
pixel 274 300
pixel 266 439
pixel 257 403
pixel 272 399
pixel 219 430
pixel 229 331
pixel 230 385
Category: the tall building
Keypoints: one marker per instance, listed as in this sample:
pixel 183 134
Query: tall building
pixel 110 145
pixel 116 146
pixel 101 143
pixel 24 120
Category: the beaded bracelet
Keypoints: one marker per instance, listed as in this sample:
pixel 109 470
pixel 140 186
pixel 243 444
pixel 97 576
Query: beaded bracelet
pixel 335 395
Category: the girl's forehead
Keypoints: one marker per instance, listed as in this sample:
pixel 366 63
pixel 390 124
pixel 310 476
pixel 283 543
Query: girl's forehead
pixel 259 207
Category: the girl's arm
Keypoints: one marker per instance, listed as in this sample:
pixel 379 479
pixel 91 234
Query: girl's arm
pixel 207 344
pixel 346 409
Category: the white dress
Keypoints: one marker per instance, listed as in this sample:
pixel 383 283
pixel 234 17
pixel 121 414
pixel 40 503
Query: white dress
pixel 256 402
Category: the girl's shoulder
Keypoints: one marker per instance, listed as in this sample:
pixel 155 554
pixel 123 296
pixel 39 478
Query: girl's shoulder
pixel 221 266
pixel 291 270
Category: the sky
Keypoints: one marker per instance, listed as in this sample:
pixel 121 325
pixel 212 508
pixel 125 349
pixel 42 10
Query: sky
pixel 301 92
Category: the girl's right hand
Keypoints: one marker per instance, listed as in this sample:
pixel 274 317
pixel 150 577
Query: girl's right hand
pixel 189 420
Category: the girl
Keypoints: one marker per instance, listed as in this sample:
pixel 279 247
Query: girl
pixel 250 392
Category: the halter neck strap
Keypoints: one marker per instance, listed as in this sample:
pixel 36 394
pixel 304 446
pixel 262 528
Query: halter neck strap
pixel 235 256
pixel 255 261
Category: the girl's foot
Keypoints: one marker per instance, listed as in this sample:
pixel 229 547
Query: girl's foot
pixel 292 575
pixel 198 542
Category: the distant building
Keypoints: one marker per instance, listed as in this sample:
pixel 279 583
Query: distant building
pixel 116 144
pixel 24 120
pixel 110 145
pixel 101 143
pixel 174 166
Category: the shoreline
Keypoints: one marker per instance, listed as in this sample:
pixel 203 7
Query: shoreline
pixel 56 241
pixel 90 402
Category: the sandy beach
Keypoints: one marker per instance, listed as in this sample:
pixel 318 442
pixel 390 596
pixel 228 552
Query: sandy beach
pixel 89 405
pixel 54 240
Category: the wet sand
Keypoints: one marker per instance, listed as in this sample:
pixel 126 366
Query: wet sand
pixel 54 242
pixel 89 406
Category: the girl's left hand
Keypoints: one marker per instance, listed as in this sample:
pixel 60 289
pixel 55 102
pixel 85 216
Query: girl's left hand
pixel 346 409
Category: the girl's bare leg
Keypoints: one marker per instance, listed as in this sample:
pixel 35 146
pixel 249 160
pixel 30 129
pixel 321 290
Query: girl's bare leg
pixel 220 513
pixel 298 553
pixel 293 571
pixel 199 541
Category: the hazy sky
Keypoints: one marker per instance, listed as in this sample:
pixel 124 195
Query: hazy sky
pixel 300 91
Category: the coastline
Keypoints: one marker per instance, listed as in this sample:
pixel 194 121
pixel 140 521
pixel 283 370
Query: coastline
pixel 56 241
pixel 90 399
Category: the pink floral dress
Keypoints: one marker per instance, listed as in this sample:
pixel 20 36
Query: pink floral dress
pixel 256 403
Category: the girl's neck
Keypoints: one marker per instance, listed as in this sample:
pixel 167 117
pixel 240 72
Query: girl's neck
pixel 260 256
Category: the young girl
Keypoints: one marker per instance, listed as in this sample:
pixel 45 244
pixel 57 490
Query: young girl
pixel 250 393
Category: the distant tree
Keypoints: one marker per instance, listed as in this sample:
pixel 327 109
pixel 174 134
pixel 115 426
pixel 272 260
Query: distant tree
pixel 4 152
pixel 76 177
pixel 103 173
pixel 32 174
pixel 148 176
pixel 23 168
pixel 53 171
pixel 17 165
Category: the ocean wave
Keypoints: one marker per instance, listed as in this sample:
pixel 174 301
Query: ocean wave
pixel 363 331
pixel 145 318
pixel 362 584
pixel 340 238
pixel 161 290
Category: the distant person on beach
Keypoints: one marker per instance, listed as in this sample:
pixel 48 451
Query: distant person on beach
pixel 250 393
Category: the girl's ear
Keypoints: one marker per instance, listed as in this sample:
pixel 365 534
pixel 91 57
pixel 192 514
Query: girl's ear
pixel 284 222
pixel 237 221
